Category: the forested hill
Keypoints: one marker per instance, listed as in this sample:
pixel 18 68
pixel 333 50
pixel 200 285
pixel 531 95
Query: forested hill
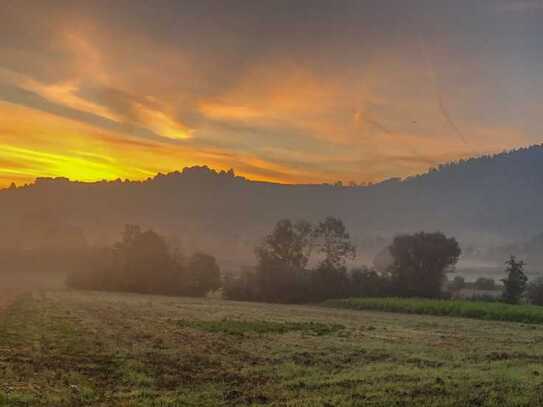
pixel 482 201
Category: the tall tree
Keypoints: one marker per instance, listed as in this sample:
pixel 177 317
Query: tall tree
pixel 289 243
pixel 330 279
pixel 282 259
pixel 334 243
pixel 420 262
pixel 515 283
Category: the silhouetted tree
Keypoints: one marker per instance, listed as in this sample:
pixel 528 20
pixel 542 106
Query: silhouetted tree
pixel 282 258
pixel 289 243
pixel 515 283
pixel 330 279
pixel 204 274
pixel 143 262
pixel 420 262
pixel 334 243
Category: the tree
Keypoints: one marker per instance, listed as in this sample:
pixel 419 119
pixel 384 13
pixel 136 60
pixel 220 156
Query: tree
pixel 143 262
pixel 334 243
pixel 535 291
pixel 330 279
pixel 515 283
pixel 420 262
pixel 282 259
pixel 204 274
pixel 289 243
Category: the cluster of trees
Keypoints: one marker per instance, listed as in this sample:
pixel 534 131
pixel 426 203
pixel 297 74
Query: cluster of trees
pixel 301 262
pixel 297 262
pixel 515 289
pixel 143 262
pixel 516 285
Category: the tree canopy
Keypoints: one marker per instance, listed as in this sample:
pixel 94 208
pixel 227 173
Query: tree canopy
pixel 420 262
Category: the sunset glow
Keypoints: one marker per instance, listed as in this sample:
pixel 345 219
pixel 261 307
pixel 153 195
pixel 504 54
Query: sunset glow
pixel 337 95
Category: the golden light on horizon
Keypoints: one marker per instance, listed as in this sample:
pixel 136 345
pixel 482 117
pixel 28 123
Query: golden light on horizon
pixel 107 96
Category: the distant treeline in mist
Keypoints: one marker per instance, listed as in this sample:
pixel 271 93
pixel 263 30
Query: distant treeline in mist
pixel 298 262
pixel 487 201
pixel 142 262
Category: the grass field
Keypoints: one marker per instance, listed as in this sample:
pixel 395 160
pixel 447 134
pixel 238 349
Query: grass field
pixel 65 348
pixel 493 311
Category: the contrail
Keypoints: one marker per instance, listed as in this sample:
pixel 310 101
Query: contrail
pixel 441 104
pixel 410 147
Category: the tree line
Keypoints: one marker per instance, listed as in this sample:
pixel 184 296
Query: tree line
pixel 301 262
pixel 298 262
pixel 143 262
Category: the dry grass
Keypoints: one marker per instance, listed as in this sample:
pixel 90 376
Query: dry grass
pixel 69 348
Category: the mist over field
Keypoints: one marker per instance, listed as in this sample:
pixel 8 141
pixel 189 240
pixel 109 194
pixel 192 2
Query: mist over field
pixel 490 204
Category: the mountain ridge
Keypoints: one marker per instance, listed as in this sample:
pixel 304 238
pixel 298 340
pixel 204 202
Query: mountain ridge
pixel 483 201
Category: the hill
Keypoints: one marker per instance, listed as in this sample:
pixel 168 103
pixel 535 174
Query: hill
pixel 483 201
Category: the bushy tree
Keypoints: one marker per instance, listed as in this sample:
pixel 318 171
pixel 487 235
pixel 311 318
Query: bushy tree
pixel 282 259
pixel 143 262
pixel 334 243
pixel 515 283
pixel 203 274
pixel 420 262
pixel 330 279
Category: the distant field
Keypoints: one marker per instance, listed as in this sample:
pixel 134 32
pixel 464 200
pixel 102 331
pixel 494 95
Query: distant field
pixel 69 348
pixel 492 311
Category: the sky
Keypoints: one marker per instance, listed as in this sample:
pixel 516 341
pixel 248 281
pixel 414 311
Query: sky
pixel 283 91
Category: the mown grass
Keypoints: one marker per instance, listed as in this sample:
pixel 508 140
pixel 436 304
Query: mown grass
pixel 241 328
pixel 491 311
pixel 104 349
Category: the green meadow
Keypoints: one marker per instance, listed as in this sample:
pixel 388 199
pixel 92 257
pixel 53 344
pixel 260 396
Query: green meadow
pixel 495 311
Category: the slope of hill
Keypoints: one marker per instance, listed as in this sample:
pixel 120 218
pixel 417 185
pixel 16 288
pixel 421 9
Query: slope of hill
pixel 482 201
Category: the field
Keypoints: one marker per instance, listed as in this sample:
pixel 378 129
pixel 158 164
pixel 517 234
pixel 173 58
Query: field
pixel 493 311
pixel 13 284
pixel 67 348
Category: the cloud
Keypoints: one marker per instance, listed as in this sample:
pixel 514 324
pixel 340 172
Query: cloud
pixel 302 92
